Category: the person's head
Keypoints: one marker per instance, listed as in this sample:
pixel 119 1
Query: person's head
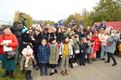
pixel 50 30
pixel 96 33
pixel 66 39
pixel 30 29
pixel 53 41
pixel 29 46
pixel 6 30
pixel 44 42
pixel 63 29
pixel 71 42
pixel 59 30
pixel 39 28
pixel 88 41
pixel 68 30
pixel 82 40
pixel 102 31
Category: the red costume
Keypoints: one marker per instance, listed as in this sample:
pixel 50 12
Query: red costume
pixel 1 47
pixel 13 38
pixel 96 44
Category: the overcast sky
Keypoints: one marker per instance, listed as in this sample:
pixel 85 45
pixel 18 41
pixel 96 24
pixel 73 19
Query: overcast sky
pixel 44 9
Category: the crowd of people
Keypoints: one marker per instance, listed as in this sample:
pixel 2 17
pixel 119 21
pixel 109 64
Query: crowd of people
pixel 44 47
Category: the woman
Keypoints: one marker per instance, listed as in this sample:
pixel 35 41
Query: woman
pixel 9 44
pixel 111 47
pixel 1 49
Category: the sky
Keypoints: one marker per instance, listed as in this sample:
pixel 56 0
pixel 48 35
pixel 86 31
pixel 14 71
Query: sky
pixel 44 9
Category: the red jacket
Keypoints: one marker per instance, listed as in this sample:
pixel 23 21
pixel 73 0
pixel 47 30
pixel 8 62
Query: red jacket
pixel 96 44
pixel 13 38
pixel 1 47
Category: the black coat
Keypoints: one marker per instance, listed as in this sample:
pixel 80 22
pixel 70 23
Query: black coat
pixel 59 37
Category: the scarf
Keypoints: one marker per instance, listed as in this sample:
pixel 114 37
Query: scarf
pixel 66 49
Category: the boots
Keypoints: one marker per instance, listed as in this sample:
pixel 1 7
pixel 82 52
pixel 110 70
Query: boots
pixel 53 72
pixel 114 64
pixel 28 75
pixel 66 72
pixel 62 73
pixel 6 74
pixel 11 76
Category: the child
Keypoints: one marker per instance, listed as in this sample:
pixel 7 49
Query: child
pixel 28 54
pixel 96 46
pixel 83 51
pixel 43 54
pixel 76 50
pixel 65 50
pixel 27 61
pixel 54 55
pixel 119 47
pixel 71 60
pixel 89 50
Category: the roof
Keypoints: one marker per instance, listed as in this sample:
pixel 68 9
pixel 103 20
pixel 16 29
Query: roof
pixel 115 25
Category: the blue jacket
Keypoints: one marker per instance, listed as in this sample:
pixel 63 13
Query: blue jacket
pixel 83 48
pixel 43 54
pixel 112 47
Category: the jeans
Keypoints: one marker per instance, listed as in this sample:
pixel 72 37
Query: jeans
pixel 83 59
pixel 110 55
pixel 88 57
pixel 43 68
pixel 65 62
pixel 103 50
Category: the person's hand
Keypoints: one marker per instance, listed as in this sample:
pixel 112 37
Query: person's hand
pixel 4 44
pixel 1 43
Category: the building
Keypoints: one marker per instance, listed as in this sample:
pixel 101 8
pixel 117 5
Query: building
pixel 115 25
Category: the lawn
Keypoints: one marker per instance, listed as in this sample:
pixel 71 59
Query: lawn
pixel 18 74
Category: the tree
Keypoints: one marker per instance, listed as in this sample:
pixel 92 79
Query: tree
pixel 19 16
pixel 76 19
pixel 108 10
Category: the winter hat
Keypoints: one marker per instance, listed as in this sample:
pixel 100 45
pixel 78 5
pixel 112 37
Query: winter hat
pixel 5 27
pixel 65 36
pixel 95 32
pixel 52 39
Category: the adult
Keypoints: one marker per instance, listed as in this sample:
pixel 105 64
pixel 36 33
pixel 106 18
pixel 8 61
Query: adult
pixel 111 47
pixel 9 44
pixel 103 39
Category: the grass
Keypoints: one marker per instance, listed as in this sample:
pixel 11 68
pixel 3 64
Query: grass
pixel 18 74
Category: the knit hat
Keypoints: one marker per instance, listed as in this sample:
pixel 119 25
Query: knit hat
pixel 65 36
pixel 5 27
pixel 52 39
pixel 95 32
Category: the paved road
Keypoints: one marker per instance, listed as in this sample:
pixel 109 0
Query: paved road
pixel 95 71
